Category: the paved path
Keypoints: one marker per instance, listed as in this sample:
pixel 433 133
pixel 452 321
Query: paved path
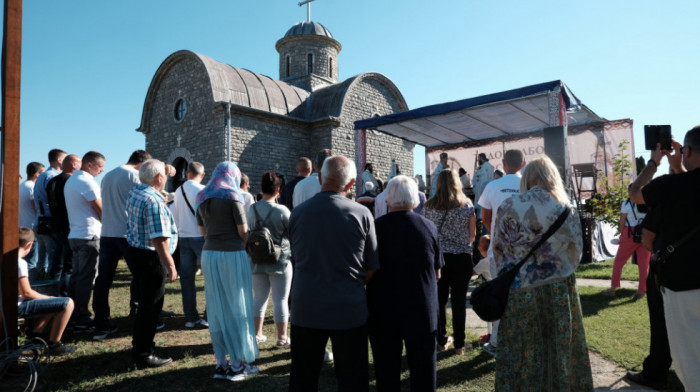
pixel 607 376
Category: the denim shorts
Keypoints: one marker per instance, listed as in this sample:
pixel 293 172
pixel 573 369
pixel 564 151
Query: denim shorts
pixel 42 306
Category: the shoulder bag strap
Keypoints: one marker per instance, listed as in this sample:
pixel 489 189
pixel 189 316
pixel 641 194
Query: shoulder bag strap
pixel 444 218
pixel 258 222
pixel 663 255
pixel 182 188
pixel 272 208
pixel 633 206
pixel 555 226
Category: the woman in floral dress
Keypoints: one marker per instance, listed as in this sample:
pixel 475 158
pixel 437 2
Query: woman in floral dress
pixel 542 343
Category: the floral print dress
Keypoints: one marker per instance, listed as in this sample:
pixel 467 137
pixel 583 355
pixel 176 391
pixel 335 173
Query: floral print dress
pixel 541 341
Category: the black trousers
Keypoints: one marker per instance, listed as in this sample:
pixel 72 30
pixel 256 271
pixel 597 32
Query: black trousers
pixel 454 278
pixel 149 277
pixel 420 353
pixel 111 250
pixel 351 359
pixel 658 362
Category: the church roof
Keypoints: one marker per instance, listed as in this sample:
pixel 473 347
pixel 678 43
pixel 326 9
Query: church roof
pixel 242 87
pixel 308 28
pixel 237 86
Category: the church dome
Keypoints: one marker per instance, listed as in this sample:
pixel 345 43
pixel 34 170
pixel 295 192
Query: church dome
pixel 308 28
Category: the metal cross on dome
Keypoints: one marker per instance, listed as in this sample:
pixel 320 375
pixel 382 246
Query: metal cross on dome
pixel 308 8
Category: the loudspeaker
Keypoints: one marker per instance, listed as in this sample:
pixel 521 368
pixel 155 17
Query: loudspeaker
pixel 556 149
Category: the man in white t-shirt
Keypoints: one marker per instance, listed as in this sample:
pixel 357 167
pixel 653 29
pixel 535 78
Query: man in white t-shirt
pixel 84 206
pixel 310 186
pixel 248 199
pixel 493 195
pixel 114 188
pixel 190 240
pixel 52 313
pixel 482 176
pixel 27 209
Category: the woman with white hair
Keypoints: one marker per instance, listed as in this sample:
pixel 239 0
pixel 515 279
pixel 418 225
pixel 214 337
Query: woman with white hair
pixel 453 214
pixel 541 344
pixel 402 295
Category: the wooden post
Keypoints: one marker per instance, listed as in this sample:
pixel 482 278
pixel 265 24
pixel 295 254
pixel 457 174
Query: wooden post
pixel 9 216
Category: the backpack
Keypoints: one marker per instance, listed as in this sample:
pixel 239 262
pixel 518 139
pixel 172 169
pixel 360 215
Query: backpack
pixel 260 246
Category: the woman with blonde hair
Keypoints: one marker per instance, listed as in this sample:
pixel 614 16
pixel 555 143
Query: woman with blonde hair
pixel 542 343
pixel 453 215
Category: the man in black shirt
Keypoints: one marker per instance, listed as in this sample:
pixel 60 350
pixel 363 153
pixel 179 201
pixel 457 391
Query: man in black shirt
pixel 677 195
pixel 657 364
pixel 303 170
pixel 57 205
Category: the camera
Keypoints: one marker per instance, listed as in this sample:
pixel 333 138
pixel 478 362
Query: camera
pixel 654 134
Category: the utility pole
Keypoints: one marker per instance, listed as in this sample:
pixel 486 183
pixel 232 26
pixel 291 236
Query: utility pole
pixel 9 139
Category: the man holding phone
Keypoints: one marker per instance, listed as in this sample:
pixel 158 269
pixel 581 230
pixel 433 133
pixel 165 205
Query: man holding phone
pixel 677 195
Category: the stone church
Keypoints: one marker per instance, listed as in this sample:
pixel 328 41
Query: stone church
pixel 199 109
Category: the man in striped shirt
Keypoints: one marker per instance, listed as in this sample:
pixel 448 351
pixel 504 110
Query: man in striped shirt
pixel 152 238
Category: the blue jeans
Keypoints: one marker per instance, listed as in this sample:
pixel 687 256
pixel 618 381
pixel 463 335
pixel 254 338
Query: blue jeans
pixel 47 252
pixel 31 260
pixel 190 252
pixel 43 306
pixel 63 263
pixel 85 253
pixel 111 250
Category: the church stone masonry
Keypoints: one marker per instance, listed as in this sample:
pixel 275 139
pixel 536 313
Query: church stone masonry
pixel 199 109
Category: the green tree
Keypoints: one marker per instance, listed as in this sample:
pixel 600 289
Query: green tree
pixel 613 190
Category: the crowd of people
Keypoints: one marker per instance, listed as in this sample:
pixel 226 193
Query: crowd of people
pixel 379 269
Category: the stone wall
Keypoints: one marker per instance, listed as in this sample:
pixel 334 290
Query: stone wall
pixel 368 97
pixel 270 143
pixel 298 48
pixel 200 130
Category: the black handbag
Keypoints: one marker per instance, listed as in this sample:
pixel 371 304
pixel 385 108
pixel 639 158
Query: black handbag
pixel 489 300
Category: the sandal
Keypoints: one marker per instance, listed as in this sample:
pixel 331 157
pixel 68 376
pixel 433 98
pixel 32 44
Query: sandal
pixel 639 295
pixel 283 343
pixel 260 339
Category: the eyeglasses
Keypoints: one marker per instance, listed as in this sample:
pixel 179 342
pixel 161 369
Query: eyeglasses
pixel 684 147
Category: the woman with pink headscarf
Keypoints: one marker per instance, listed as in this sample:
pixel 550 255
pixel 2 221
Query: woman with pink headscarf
pixel 228 282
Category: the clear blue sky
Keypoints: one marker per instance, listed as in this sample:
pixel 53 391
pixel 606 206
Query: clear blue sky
pixel 87 65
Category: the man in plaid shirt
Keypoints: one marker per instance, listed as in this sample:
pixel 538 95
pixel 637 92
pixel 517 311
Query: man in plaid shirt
pixel 152 238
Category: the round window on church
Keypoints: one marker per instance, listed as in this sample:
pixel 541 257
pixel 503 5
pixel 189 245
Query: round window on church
pixel 180 109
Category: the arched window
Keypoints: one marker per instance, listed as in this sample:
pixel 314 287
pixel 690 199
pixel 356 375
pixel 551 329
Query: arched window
pixel 287 67
pixel 330 67
pixel 180 110
pixel 310 63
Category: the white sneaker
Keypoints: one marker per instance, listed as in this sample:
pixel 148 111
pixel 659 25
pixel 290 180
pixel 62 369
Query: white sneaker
pixel 201 322
pixel 489 349
pixel 246 371
pixel 328 357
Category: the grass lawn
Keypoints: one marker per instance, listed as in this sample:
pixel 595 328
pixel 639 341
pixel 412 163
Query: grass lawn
pixel 104 366
pixel 616 328
pixel 603 270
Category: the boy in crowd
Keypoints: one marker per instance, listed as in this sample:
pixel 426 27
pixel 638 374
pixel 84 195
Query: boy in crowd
pixel 51 312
